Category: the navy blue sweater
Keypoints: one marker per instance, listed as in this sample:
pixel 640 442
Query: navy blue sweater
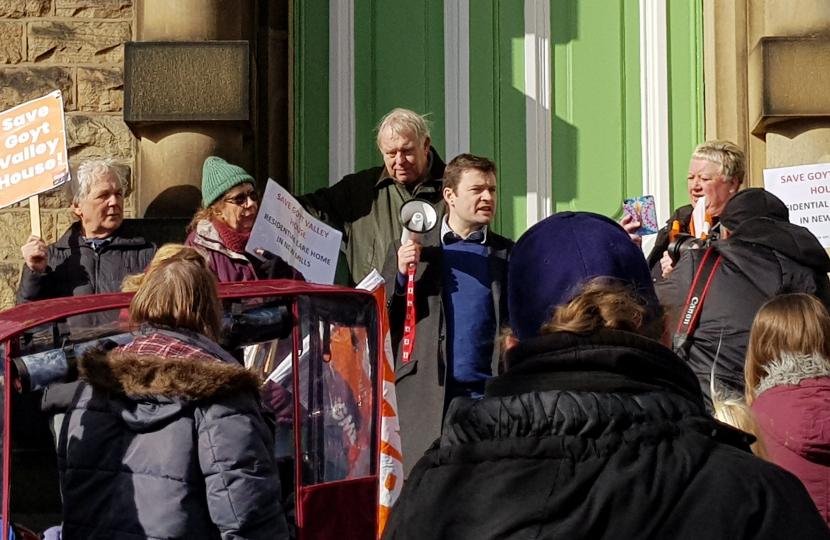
pixel 471 318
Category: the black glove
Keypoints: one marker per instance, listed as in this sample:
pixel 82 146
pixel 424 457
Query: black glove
pixel 275 268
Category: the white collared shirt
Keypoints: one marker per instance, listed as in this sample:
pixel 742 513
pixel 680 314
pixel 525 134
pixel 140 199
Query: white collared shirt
pixel 446 230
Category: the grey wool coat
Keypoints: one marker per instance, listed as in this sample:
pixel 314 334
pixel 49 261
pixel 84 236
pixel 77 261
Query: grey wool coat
pixel 156 448
pixel 420 385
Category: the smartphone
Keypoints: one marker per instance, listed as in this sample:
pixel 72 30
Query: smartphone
pixel 642 209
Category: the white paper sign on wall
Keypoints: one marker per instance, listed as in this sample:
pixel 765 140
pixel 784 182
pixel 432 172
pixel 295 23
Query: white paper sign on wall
pixel 805 189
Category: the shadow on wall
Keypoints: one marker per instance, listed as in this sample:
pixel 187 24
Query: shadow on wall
pixel 565 137
pixel 565 161
pixel 160 231
pixel 564 24
pixel 177 201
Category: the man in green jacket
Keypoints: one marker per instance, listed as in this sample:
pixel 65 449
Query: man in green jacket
pixel 366 205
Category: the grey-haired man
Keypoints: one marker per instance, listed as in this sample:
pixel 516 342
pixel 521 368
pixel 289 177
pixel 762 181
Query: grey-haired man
pixel 91 257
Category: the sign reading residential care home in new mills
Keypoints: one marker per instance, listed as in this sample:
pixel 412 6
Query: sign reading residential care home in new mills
pixel 805 190
pixel 33 156
pixel 285 229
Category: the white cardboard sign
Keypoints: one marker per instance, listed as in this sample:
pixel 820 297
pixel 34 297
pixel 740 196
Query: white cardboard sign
pixel 284 228
pixel 805 189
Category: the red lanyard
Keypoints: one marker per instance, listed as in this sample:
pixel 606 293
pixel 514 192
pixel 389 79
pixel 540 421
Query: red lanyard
pixel 409 323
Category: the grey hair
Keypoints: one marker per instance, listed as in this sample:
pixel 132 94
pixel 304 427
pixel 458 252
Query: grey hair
pixel 401 120
pixel 89 172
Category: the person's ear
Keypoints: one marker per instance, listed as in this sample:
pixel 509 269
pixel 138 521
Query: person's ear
pixel 427 144
pixel 449 196
pixel 76 209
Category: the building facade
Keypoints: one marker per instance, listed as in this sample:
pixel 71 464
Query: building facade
pixel 582 103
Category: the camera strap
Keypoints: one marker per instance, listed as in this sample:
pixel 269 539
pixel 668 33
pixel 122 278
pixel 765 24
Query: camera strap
pixel 700 286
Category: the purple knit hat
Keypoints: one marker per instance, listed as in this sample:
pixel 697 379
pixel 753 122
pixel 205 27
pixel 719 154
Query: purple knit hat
pixel 555 258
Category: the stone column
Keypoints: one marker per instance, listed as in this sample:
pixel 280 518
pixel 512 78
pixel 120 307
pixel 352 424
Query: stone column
pixel 731 30
pixel 75 46
pixel 171 154
pixel 800 138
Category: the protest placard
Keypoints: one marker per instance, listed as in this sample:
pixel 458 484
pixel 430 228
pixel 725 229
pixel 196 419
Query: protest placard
pixel 33 154
pixel 805 189
pixel 285 229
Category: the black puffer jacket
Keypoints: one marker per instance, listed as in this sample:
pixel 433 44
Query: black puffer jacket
pixel 762 258
pixel 596 437
pixel 172 449
pixel 75 269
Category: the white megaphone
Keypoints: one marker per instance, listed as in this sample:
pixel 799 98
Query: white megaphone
pixel 418 217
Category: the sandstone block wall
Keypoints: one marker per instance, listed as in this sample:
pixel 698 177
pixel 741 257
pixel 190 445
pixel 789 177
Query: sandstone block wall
pixel 76 46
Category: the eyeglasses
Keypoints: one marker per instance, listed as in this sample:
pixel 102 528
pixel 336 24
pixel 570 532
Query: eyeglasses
pixel 242 198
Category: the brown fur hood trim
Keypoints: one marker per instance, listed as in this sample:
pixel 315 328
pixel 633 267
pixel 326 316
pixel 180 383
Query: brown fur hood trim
pixel 134 375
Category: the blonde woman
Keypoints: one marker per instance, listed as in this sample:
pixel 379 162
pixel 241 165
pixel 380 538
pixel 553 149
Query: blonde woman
pixel 133 282
pixel 788 388
pixel 737 414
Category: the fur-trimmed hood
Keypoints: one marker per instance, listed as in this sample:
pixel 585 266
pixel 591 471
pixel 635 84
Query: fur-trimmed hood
pixel 145 391
pixel 792 369
pixel 117 373
pixel 791 405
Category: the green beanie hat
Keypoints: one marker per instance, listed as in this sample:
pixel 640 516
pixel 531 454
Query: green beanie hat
pixel 218 176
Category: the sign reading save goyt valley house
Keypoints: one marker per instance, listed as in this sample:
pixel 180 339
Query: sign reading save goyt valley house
pixel 33 154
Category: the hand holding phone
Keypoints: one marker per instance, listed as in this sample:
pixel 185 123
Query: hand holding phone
pixel 642 210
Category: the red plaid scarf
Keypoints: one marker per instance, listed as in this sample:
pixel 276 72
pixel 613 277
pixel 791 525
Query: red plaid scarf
pixel 167 347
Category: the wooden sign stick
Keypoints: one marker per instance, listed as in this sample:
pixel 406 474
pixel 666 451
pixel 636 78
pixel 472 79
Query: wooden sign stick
pixel 34 215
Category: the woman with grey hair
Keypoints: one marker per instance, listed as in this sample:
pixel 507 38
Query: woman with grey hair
pixel 92 257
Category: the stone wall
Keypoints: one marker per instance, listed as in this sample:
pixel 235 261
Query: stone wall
pixel 75 46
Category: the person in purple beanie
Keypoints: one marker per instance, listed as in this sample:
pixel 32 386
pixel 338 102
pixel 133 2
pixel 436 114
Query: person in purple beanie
pixel 596 429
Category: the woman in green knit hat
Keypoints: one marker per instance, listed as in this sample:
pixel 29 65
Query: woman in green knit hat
pixel 223 225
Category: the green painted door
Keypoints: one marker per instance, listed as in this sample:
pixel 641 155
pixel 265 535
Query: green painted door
pixel 596 152
pixel 399 62
pixel 596 155
pixel 310 36
pixel 497 104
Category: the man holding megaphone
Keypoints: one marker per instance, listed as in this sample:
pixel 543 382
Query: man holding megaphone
pixel 447 276
pixel 365 206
